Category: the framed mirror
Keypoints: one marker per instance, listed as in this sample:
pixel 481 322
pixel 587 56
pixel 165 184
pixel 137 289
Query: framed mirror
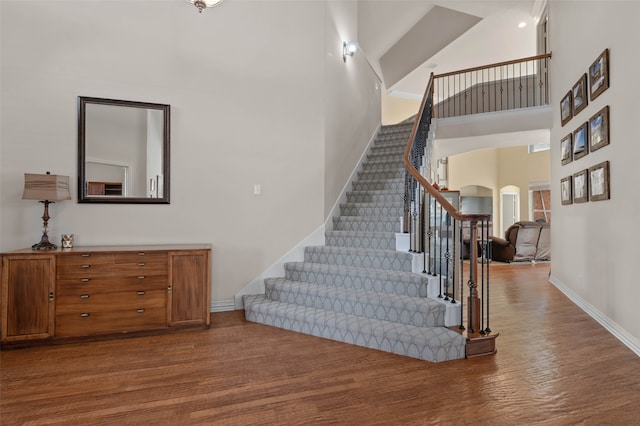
pixel 123 151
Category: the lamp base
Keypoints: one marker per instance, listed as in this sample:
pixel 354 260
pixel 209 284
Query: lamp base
pixel 44 244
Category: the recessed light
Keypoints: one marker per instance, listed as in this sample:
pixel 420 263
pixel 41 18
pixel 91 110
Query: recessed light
pixel 522 24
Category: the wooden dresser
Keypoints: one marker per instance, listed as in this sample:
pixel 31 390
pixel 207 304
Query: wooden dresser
pixel 93 292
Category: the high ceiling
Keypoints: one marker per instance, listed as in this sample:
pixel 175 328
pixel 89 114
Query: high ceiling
pixel 495 38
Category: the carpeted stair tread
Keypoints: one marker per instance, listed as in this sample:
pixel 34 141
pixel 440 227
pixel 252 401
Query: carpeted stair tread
pixel 418 311
pixel 385 209
pixel 374 240
pixel 381 174
pixel 391 260
pixel 367 223
pixel 433 344
pixel 378 280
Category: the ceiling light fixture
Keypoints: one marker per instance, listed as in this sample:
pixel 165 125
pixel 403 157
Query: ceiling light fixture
pixel 522 24
pixel 202 4
pixel 348 49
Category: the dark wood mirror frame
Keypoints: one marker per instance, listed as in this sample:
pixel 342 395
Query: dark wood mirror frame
pixel 83 192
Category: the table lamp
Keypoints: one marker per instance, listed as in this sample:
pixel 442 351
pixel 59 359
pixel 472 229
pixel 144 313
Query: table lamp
pixel 47 189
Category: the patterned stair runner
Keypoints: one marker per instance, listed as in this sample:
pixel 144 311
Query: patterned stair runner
pixel 357 288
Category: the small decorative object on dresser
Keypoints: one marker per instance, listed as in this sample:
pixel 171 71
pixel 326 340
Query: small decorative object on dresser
pixel 67 241
pixel 100 292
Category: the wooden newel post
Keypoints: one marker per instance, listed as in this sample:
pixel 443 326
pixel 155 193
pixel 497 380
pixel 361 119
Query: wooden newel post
pixel 473 303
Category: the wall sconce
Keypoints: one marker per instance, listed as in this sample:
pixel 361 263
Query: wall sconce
pixel 202 4
pixel 348 49
pixel 47 189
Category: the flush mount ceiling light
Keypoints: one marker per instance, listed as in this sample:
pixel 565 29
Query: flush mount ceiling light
pixel 202 4
pixel 348 49
pixel 522 24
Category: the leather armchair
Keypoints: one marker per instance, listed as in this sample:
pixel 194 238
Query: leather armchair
pixel 523 241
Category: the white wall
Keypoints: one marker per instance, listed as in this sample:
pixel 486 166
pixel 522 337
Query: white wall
pixel 595 244
pixel 352 101
pixel 246 83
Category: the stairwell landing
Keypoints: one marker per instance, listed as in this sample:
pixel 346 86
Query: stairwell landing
pixel 357 288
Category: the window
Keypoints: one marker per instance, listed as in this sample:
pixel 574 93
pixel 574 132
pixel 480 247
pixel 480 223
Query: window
pixel 539 147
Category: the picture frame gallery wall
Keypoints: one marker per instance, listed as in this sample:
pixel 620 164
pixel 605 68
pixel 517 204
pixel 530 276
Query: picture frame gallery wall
pixel 590 183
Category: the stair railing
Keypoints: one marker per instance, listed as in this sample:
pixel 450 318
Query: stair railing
pixel 521 83
pixel 436 228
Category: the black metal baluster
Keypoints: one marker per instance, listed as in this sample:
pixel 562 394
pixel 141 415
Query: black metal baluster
pixel 447 259
pixel 440 253
pixel 489 254
pixel 453 261
pixel 461 277
pixel 482 263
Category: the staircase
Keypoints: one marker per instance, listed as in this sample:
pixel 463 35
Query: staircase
pixel 357 288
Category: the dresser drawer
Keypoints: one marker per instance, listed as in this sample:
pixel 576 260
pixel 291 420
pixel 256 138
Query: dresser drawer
pixel 121 321
pixel 80 285
pixel 89 269
pixel 85 258
pixel 141 256
pixel 88 303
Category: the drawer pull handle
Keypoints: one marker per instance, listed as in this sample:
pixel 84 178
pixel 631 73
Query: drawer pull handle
pixel 86 266
pixel 86 280
pixel 141 253
pixel 86 255
pixel 84 315
pixel 141 293
pixel 141 311
pixel 141 264
pixel 141 277
pixel 84 296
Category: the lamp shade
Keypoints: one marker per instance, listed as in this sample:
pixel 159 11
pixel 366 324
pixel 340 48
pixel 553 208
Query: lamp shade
pixel 46 187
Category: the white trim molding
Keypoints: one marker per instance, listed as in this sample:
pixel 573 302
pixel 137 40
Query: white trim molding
pixel 222 306
pixel 611 326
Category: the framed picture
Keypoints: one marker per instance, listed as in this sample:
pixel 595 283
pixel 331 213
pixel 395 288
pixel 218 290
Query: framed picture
pixel 580 194
pixel 566 109
pixel 599 129
pixel 599 182
pixel 599 75
pixel 579 95
pixel 580 147
pixel 566 191
pixel 566 150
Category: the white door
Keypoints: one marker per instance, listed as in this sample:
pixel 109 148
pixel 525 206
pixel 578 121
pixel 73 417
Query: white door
pixel 510 210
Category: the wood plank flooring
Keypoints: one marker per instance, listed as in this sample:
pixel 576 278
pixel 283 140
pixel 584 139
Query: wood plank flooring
pixel 554 366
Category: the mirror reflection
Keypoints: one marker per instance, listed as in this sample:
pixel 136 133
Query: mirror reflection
pixel 123 151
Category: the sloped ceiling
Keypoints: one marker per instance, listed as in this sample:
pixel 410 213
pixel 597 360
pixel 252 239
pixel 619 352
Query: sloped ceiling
pixel 436 30
pixel 386 25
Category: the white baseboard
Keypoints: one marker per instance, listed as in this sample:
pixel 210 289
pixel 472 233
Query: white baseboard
pixel 614 328
pixel 222 306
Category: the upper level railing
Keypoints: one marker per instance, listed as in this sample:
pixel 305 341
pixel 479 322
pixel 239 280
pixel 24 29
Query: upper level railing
pixel 521 83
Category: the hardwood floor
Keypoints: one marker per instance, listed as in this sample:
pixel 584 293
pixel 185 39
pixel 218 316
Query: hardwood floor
pixel 555 366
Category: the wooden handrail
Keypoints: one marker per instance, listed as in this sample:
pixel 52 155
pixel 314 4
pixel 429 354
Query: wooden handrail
pixel 416 174
pixel 497 64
